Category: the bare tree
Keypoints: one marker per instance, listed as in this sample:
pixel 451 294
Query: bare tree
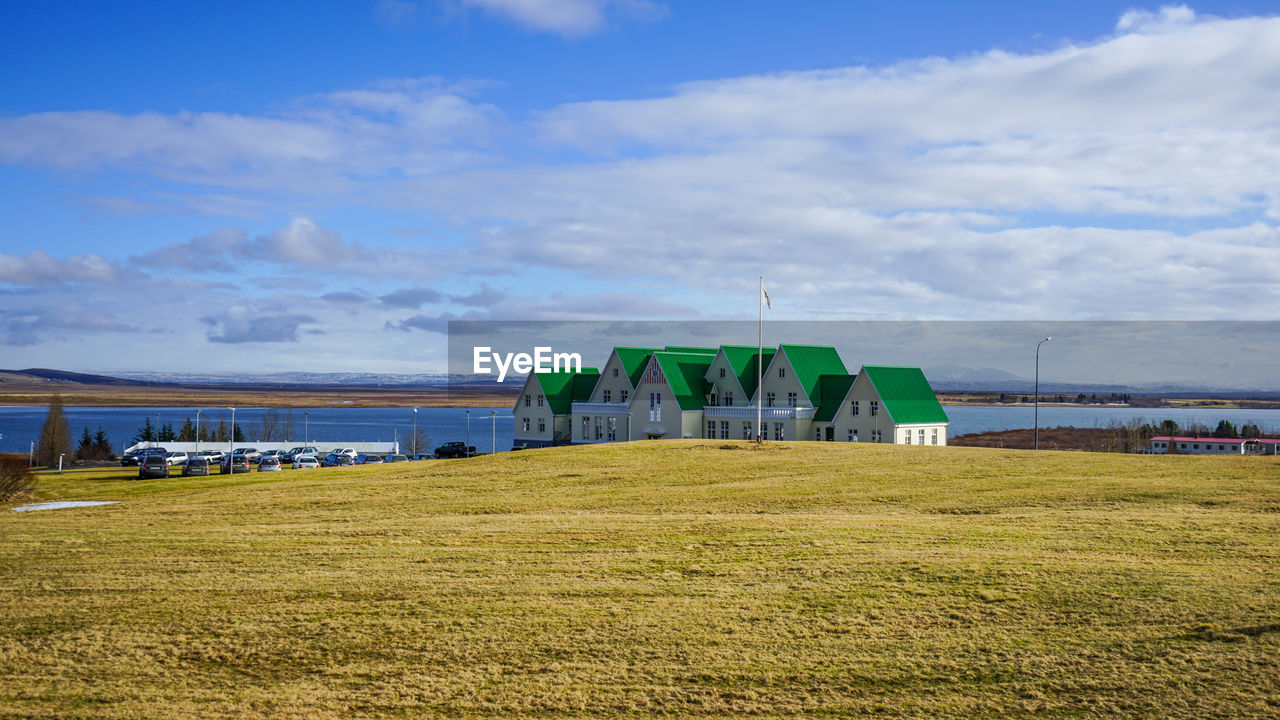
pixel 15 477
pixel 55 436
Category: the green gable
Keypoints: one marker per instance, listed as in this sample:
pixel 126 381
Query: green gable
pixel 810 363
pixel 686 376
pixel 745 359
pixel 906 394
pixel 634 360
pixel 563 389
pixel 832 390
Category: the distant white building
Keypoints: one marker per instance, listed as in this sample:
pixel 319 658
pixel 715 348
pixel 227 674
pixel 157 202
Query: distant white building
pixel 1162 444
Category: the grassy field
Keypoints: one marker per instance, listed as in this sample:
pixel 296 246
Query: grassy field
pixel 688 578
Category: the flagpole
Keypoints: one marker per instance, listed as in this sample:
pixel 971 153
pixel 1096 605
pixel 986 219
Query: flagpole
pixel 760 368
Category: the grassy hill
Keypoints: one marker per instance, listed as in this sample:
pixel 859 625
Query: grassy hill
pixel 689 578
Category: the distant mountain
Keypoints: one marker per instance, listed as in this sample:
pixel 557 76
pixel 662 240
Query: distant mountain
pixel 290 378
pixel 45 376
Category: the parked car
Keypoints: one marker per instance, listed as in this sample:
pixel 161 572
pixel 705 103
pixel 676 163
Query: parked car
pixel 213 456
pixel 343 460
pixel 269 463
pixel 369 459
pixel 154 466
pixel 395 458
pixel 349 452
pixel 305 462
pixel 423 456
pixel 271 453
pixel 250 454
pixel 235 464
pixel 455 449
pixel 135 457
pixel 176 458
pixel 198 465
pixel 296 452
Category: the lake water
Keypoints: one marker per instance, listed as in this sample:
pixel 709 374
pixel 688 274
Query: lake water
pixel 20 426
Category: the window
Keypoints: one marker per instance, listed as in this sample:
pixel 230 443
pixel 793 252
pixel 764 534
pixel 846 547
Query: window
pixel 721 372
pixel 586 426
pixel 907 437
pixel 613 429
pixel 782 372
pixel 853 436
pixel 615 372
pixel 527 400
pixel 599 429
pixel 623 395
pixel 746 431
pixel 920 437
pixel 724 429
pixel 935 436
pixel 1184 446
pixel 779 431
pixel 655 407
pixel 525 425
pixel 791 399
pixel 817 433
pixel 1222 447
pixel 875 407
pixel 542 425
pixel 541 400
pixel 728 399
pixel 853 408
pixel 607 396
pixel 711 429
pixel 768 399
pixel 1196 446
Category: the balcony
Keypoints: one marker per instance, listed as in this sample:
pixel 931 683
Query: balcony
pixel 602 408
pixel 748 412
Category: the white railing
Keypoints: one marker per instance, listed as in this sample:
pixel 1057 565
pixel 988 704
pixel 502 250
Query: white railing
pixel 602 408
pixel 749 411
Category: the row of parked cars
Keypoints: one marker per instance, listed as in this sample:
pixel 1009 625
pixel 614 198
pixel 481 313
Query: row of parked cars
pixel 156 462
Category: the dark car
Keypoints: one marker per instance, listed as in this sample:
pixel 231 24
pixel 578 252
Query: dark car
pixel 135 457
pixel 455 449
pixel 396 458
pixel 235 464
pixel 154 466
pixel 197 465
pixel 342 461
pixel 369 459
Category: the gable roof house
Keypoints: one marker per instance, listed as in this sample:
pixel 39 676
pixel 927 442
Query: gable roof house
pixel 544 408
pixel 888 403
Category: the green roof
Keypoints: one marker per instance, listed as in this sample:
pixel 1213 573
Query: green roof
pixel 832 390
pixel 906 394
pixel 691 349
pixel 744 359
pixel 563 389
pixel 811 362
pixel 634 360
pixel 686 375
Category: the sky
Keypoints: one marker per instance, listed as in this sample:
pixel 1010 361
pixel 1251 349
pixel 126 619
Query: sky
pixel 322 186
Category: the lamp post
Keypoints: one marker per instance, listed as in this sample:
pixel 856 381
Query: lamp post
pixel 306 428
pixel 197 431
pixel 493 432
pixel 157 427
pixel 231 441
pixel 1037 421
pixel 468 428
pixel 415 432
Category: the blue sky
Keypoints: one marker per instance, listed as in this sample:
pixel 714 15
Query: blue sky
pixel 322 186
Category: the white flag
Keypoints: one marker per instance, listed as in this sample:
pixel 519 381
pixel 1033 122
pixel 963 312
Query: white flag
pixel 764 296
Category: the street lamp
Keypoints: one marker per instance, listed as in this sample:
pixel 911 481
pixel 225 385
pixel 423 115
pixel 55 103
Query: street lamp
pixel 415 432
pixel 1047 339
pixel 197 431
pixel 306 428
pixel 493 432
pixel 468 428
pixel 231 447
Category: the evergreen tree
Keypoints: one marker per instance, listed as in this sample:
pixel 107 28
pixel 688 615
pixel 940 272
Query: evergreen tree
pixel 167 434
pixel 223 433
pixel 85 450
pixel 55 436
pixel 188 431
pixel 102 445
pixel 1225 430
pixel 236 435
pixel 1169 427
pixel 1250 430
pixel 146 433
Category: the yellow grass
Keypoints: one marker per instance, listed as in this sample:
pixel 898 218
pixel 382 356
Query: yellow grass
pixel 687 578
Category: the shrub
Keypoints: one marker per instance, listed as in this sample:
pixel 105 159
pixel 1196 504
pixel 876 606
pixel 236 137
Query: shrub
pixel 15 477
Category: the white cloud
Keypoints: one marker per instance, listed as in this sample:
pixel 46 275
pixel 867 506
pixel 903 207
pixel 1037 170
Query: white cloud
pixel 242 324
pixel 38 268
pixel 570 18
